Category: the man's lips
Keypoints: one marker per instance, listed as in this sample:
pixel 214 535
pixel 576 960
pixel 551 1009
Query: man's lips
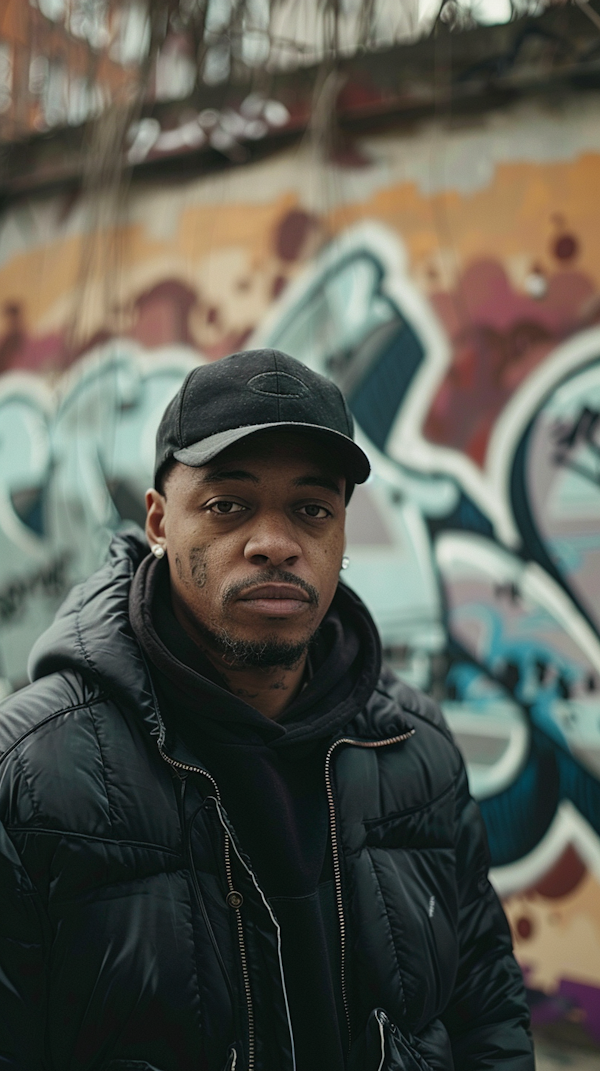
pixel 276 599
pixel 275 591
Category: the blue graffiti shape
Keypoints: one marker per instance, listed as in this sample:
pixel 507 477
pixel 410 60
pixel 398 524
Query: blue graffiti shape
pixel 387 360
pixel 508 617
pixel 362 339
pixel 517 819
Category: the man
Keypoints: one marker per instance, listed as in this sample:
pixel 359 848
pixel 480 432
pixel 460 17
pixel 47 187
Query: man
pixel 229 839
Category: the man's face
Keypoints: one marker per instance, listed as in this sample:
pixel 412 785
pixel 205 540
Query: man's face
pixel 254 542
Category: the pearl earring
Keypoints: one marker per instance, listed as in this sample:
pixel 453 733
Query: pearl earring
pixel 345 562
pixel 158 550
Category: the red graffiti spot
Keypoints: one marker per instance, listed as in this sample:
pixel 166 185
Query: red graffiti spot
pixel 499 335
pixel 162 312
pixel 565 247
pixel 292 234
pixel 564 876
pixel 14 336
pixel 524 928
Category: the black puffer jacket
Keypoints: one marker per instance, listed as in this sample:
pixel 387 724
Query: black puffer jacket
pixel 133 933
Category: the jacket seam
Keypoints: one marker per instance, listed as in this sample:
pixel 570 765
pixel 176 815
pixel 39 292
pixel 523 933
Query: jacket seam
pixel 101 697
pixel 129 883
pixel 50 832
pixel 78 636
pixel 197 957
pixel 295 899
pixel 374 822
pixel 80 642
pixel 25 776
pixel 104 777
pixel 391 936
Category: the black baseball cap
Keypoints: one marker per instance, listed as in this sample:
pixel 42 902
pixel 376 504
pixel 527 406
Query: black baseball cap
pixel 255 390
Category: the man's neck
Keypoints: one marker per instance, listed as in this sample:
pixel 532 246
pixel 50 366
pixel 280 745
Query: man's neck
pixel 269 690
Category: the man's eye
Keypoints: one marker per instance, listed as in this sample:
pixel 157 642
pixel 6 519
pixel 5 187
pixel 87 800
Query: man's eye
pixel 313 510
pixel 225 506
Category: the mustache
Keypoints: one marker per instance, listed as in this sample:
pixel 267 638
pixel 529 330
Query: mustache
pixel 270 576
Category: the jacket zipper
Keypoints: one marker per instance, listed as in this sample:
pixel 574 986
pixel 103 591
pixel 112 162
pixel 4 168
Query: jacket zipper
pixel 242 946
pixel 337 868
pixel 228 844
pixel 337 878
pixel 276 925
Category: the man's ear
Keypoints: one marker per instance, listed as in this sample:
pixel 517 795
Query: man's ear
pixel 155 517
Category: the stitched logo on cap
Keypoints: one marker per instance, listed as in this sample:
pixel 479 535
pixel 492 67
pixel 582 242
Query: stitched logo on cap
pixel 278 385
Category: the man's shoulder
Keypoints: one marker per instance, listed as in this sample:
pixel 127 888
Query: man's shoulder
pixel 396 708
pixel 406 762
pixel 412 702
pixel 394 699
pixel 77 767
pixel 41 704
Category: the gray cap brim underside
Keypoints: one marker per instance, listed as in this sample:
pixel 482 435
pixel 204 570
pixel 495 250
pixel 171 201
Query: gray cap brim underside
pixel 202 452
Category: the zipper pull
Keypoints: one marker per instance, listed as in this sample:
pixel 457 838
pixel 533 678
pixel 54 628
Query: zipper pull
pixel 234 1062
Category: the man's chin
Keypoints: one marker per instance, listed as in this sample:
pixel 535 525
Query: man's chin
pixel 240 652
pixel 265 654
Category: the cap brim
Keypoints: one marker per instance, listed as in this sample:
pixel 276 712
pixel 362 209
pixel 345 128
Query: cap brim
pixel 357 467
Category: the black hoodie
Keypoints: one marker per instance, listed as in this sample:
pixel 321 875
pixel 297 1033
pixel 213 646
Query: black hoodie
pixel 271 779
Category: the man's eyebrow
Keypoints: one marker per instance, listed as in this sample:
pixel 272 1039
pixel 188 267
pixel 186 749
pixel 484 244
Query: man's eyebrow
pixel 318 481
pixel 219 475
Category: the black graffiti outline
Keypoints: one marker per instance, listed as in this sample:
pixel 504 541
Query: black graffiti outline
pixel 581 430
pixel 50 579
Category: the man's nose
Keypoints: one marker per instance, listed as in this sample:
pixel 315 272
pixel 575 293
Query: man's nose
pixel 272 541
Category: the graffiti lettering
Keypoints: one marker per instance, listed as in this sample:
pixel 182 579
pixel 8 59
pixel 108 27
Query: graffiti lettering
pixel 51 581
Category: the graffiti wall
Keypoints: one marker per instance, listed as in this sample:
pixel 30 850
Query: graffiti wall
pixel 449 282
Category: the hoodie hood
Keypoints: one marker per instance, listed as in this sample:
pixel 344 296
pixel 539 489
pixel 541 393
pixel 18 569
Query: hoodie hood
pixel 92 634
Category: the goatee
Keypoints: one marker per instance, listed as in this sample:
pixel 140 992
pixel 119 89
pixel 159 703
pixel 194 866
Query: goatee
pixel 257 654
